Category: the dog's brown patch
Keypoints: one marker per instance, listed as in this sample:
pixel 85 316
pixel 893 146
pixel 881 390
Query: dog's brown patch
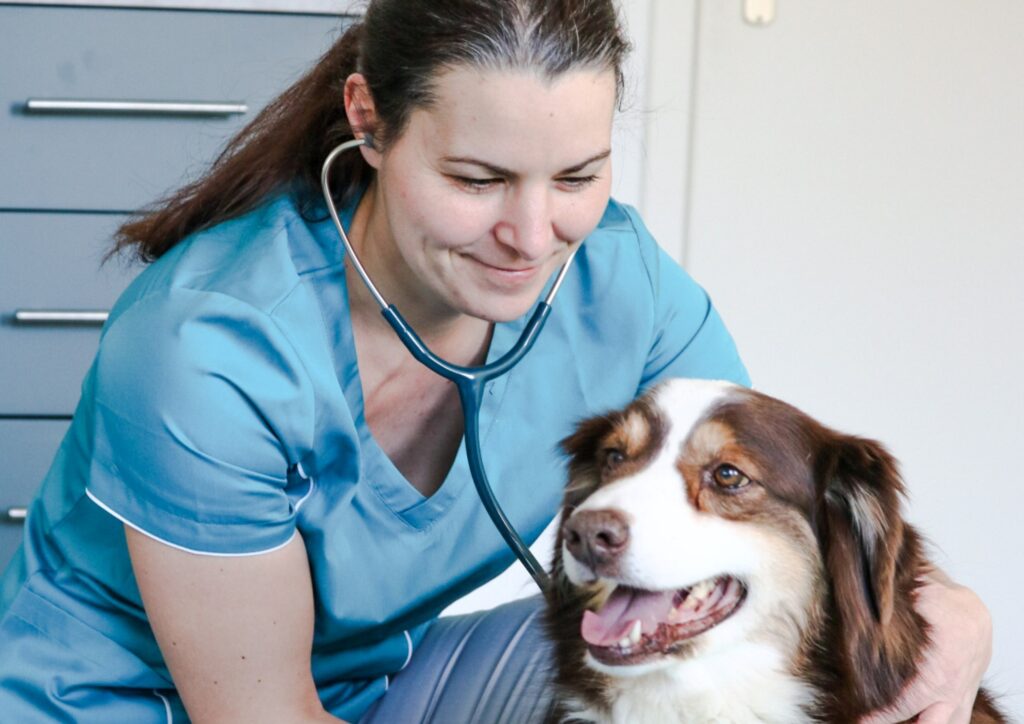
pixel 611 447
pixel 713 443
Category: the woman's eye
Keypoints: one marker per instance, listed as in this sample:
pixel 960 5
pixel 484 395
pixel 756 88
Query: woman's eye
pixel 730 477
pixel 476 184
pixel 577 182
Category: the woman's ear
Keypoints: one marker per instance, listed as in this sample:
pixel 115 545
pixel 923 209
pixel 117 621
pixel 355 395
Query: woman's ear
pixel 362 115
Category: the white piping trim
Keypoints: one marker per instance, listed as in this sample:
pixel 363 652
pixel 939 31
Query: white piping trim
pixel 408 658
pixel 167 706
pixel 387 682
pixel 301 471
pixel 312 486
pixel 157 538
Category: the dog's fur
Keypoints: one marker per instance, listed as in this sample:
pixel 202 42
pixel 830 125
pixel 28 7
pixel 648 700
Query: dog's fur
pixel 826 629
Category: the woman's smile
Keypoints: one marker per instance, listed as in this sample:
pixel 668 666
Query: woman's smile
pixel 505 273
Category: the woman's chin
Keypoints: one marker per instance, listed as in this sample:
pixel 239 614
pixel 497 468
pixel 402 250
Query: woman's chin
pixel 499 306
pixel 500 311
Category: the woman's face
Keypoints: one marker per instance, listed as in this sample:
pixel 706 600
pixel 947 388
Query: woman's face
pixel 487 191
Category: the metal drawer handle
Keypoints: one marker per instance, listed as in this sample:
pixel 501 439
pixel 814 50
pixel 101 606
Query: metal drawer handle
pixel 41 317
pixel 16 514
pixel 141 108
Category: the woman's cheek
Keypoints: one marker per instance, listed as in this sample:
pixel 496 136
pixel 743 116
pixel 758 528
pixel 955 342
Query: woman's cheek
pixel 582 215
pixel 461 219
pixel 440 213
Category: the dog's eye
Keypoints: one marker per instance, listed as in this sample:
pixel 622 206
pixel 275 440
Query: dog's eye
pixel 613 457
pixel 729 476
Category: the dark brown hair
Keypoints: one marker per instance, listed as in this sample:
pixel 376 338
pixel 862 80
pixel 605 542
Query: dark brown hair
pixel 400 46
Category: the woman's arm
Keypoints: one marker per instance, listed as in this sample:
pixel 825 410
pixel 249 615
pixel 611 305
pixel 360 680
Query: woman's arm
pixel 236 631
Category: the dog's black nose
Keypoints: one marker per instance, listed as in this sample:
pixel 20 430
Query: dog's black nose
pixel 597 538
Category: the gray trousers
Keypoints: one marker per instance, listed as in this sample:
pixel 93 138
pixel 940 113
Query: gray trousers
pixel 490 667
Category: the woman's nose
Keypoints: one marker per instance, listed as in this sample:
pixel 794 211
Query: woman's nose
pixel 527 225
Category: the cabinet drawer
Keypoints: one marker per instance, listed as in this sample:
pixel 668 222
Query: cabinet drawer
pixel 26 449
pixel 52 262
pixel 123 160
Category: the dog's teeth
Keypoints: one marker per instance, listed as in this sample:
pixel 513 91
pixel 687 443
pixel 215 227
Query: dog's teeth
pixel 636 632
pixel 625 642
pixel 701 590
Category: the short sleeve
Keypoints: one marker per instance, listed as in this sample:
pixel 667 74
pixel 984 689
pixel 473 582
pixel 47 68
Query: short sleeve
pixel 202 412
pixel 689 337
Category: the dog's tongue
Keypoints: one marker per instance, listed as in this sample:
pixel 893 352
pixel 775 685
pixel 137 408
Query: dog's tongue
pixel 614 620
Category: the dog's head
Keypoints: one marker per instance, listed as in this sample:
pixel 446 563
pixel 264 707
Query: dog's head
pixel 705 515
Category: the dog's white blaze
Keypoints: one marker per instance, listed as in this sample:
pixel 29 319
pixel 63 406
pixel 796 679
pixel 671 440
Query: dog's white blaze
pixel 690 400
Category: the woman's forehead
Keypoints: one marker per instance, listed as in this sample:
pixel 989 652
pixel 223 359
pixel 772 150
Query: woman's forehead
pixel 516 117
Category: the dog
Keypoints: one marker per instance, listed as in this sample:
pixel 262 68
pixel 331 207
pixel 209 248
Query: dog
pixel 723 557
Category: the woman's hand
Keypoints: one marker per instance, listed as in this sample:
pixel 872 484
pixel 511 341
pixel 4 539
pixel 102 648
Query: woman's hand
pixel 947 682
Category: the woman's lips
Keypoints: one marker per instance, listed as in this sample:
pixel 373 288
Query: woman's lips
pixel 508 275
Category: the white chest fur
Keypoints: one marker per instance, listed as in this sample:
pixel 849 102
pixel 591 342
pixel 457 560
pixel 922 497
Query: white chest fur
pixel 744 686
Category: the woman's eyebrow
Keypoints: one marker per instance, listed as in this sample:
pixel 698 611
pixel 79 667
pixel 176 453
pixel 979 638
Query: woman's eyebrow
pixel 504 172
pixel 580 166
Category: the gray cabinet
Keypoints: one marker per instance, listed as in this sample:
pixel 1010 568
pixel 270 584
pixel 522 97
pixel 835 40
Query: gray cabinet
pixel 26 449
pixel 102 111
pixel 50 264
pixel 55 156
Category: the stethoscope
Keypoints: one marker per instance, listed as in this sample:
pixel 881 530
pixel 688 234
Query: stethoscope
pixel 469 381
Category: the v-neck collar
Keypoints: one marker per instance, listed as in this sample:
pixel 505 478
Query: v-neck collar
pixel 377 470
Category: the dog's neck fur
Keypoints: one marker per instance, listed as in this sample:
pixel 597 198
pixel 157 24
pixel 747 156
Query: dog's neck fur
pixel 749 682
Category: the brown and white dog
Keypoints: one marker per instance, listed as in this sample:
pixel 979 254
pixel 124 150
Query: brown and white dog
pixel 725 558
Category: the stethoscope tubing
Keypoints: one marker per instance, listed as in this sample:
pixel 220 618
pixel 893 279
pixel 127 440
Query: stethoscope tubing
pixel 469 381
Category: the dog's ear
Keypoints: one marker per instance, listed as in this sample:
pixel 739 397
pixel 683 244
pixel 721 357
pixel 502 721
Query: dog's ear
pixel 864 544
pixel 862 495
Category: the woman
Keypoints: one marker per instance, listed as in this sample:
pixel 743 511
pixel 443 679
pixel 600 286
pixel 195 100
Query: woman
pixel 262 504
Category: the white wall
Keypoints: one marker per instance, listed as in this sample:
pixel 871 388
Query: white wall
pixel 857 211
pixel 848 183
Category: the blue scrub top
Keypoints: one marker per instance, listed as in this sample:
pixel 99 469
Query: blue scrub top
pixel 224 415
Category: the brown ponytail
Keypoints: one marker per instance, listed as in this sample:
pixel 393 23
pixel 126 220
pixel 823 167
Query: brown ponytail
pixel 283 146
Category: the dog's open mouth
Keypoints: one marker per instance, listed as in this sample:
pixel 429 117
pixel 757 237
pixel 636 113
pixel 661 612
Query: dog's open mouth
pixel 634 625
